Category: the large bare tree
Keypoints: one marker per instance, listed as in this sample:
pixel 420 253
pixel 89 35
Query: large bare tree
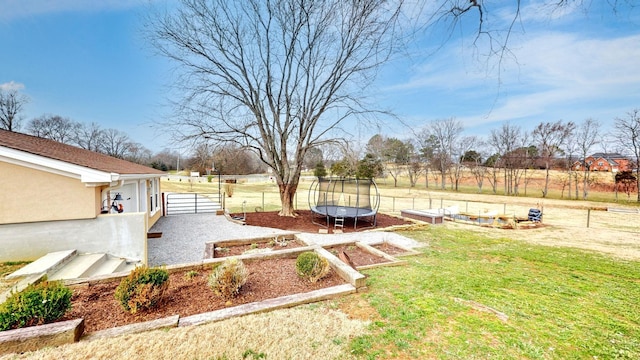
pixel 53 127
pixel 510 144
pixel 587 136
pixel 115 143
pixel 275 76
pixel 11 103
pixel 550 137
pixel 628 134
pixel 445 136
pixel 89 136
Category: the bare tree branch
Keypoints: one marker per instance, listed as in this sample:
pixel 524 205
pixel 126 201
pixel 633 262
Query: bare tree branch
pixel 274 76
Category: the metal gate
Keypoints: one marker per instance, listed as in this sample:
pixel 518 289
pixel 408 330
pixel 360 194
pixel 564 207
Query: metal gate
pixel 191 203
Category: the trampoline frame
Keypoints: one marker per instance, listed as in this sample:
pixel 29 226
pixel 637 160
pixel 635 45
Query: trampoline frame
pixel 318 200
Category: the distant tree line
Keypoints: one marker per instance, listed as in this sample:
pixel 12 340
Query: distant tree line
pixel 508 156
pixel 439 151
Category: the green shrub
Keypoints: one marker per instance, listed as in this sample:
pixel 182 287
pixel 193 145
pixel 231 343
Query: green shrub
pixel 37 304
pixel 142 289
pixel 311 266
pixel 189 275
pixel 227 279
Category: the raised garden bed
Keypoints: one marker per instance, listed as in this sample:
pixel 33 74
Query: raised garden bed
pixel 362 256
pixel 394 250
pixel 255 245
pixel 272 284
pixel 189 294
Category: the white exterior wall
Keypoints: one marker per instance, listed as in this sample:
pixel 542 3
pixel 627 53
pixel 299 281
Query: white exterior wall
pixel 123 235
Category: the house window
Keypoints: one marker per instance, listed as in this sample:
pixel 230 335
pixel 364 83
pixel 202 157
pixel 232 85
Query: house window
pixel 153 196
pixel 600 163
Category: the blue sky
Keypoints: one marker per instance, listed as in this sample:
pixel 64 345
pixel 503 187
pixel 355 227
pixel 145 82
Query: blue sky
pixel 87 60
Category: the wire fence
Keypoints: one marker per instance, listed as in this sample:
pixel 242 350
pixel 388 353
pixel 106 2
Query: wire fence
pixel 578 216
pixel 620 219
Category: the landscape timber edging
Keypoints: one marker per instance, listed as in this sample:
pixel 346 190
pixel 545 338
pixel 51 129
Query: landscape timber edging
pixel 281 302
pixel 162 323
pixel 391 260
pixel 36 337
pixel 345 271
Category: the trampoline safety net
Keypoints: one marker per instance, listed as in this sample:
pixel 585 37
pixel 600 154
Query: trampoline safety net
pixel 351 198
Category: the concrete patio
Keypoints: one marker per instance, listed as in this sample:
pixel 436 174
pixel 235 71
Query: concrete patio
pixel 184 237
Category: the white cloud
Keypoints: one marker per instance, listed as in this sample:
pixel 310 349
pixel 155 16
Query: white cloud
pixel 559 69
pixel 545 10
pixel 11 86
pixel 18 9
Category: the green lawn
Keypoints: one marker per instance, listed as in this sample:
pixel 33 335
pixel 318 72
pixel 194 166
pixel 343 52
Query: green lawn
pixel 561 303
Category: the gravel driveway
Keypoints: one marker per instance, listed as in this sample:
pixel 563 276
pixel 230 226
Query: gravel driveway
pixel 184 237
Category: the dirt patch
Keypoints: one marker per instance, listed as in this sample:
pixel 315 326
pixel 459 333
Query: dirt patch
pixel 390 249
pixel 356 255
pixel 222 250
pixel 189 296
pixel 303 222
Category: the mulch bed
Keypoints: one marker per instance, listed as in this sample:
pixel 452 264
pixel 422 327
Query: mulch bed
pixel 357 256
pixel 185 296
pixel 389 249
pixel 303 223
pixel 224 250
pixel 268 279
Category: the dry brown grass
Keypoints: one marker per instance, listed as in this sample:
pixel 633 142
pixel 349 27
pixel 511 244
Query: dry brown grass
pixel 6 269
pixel 299 333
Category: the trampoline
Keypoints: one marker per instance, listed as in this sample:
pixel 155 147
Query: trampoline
pixel 344 198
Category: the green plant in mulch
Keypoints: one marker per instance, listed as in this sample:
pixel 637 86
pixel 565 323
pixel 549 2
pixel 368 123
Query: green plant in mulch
pixel 311 266
pixel 142 289
pixel 189 275
pixel 38 304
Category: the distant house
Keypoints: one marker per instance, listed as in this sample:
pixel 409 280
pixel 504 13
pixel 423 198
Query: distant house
pixel 56 197
pixel 608 162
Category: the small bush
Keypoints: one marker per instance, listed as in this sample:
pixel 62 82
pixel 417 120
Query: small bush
pixel 37 304
pixel 142 289
pixel 189 275
pixel 311 266
pixel 227 279
pixel 228 188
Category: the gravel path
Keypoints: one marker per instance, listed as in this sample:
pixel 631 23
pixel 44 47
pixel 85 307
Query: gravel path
pixel 184 237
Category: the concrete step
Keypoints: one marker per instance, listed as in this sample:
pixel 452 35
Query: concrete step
pixel 112 265
pixel 82 266
pixel 129 266
pixel 51 262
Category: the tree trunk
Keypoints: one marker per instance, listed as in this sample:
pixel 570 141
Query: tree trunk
pixel 585 182
pixel 287 195
pixel 569 184
pixel 638 181
pixel 546 182
pixel 426 178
